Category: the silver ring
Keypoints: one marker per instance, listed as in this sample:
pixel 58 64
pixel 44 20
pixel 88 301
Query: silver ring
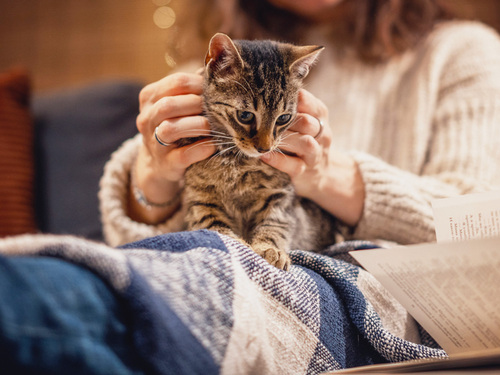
pixel 320 128
pixel 159 140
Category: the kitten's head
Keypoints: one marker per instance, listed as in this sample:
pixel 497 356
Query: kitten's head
pixel 251 90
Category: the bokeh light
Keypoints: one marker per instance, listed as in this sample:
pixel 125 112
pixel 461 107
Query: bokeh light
pixel 161 3
pixel 164 17
pixel 170 60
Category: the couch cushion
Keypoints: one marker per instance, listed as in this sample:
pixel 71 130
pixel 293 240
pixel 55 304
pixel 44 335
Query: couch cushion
pixel 16 154
pixel 76 132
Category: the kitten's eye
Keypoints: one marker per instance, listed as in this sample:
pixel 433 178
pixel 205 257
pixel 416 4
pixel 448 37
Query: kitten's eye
pixel 245 117
pixel 283 119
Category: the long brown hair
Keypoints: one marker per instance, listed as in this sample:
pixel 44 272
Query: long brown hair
pixel 379 29
pixel 376 29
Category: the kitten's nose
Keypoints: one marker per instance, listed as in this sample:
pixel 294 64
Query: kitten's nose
pixel 263 143
pixel 263 150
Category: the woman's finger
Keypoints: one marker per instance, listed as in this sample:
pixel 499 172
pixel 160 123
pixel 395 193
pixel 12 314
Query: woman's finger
pixel 308 103
pixel 307 125
pixel 171 165
pixel 291 165
pixel 172 85
pixel 167 108
pixel 175 106
pixel 312 118
pixel 304 146
pixel 183 157
pixel 170 131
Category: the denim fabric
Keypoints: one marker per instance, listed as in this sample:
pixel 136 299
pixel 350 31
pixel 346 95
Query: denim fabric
pixel 59 318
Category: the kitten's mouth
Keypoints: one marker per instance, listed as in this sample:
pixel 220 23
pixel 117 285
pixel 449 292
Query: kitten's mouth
pixel 253 153
pixel 250 150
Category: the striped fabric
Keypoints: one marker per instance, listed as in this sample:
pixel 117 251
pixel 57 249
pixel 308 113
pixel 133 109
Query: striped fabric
pixel 203 303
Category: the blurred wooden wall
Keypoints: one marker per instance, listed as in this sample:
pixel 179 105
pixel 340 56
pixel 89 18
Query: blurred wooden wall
pixel 68 42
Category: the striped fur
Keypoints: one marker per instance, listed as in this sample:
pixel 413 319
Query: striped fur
pixel 250 99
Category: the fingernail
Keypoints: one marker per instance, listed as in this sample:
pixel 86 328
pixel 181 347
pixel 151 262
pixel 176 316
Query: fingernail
pixel 265 157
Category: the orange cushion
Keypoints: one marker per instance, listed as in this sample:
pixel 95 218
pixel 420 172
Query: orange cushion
pixel 16 155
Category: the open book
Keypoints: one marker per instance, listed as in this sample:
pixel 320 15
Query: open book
pixel 452 287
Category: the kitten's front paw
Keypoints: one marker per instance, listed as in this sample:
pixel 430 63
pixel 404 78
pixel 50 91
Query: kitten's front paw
pixel 276 257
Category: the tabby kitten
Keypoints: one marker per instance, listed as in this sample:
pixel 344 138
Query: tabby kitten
pixel 250 99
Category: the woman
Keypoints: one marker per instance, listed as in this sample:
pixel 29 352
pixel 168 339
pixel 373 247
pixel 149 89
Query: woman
pixel 411 102
pixel 413 108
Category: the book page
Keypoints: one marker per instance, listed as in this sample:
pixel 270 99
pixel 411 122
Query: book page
pixel 451 289
pixel 467 216
pixel 466 363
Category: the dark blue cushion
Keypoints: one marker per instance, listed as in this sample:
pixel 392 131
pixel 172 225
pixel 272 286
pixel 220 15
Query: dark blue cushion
pixel 76 130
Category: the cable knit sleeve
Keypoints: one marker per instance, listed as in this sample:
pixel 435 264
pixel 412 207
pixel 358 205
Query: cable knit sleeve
pixel 118 227
pixel 463 150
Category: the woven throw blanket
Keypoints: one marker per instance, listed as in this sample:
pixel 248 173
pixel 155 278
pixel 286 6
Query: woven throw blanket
pixel 204 303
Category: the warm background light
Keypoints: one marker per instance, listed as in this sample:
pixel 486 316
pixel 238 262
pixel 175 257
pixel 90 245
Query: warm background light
pixel 161 3
pixel 164 17
pixel 68 42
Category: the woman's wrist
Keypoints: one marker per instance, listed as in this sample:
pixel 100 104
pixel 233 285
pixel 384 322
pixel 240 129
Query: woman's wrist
pixel 341 190
pixel 152 199
pixel 167 201
pixel 149 215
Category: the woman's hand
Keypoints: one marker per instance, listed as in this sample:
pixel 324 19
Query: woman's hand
pixel 318 172
pixel 172 108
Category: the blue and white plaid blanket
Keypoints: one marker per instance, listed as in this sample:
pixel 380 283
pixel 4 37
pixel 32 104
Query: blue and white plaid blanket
pixel 204 303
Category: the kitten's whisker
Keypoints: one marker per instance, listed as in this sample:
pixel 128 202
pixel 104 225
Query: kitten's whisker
pixel 213 156
pixel 200 144
pixel 227 149
pixel 218 133
pixel 239 154
pixel 201 132
pixel 196 130
pixel 220 152
pixel 223 138
pixel 277 151
pixel 215 144
pixel 208 132
pixel 283 137
pixel 224 146
pixel 281 143
pixel 222 143
pixel 295 120
pixel 280 151
pixel 243 87
pixel 248 84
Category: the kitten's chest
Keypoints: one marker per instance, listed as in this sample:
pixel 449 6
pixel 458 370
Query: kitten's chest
pixel 239 182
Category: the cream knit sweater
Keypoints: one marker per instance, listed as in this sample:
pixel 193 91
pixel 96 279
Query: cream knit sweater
pixel 423 126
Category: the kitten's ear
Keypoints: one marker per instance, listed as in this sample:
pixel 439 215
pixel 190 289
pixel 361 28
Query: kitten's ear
pixel 302 58
pixel 222 55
